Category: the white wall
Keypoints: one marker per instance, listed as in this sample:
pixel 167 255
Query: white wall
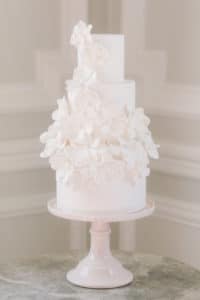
pixel 166 65
pixel 34 60
pixel 104 15
pixel 178 35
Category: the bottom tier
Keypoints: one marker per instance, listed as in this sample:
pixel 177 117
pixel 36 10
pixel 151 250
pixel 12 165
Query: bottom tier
pixel 112 196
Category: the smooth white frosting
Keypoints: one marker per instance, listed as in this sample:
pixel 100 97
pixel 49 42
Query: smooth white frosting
pixel 113 196
pixel 113 70
pixel 120 92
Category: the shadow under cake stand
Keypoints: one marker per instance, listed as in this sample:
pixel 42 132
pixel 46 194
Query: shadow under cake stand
pixel 99 269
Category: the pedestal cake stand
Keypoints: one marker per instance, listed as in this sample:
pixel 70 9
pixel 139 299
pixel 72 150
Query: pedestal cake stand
pixel 99 269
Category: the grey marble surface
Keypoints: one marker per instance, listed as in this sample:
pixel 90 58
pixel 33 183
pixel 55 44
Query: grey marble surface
pixel 42 278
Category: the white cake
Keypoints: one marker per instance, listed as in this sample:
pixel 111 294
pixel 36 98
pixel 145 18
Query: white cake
pixel 99 143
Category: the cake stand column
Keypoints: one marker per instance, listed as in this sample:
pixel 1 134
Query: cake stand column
pixel 99 269
pixel 100 240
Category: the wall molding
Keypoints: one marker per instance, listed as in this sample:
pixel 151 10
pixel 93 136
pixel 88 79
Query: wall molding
pixel 176 210
pixel 19 155
pixel 39 95
pixel 22 162
pixel 176 159
pixel 26 97
pixel 149 68
pixel 52 66
pixel 176 100
pixel 19 146
pixel 25 205
pixel 174 166
pixel 158 96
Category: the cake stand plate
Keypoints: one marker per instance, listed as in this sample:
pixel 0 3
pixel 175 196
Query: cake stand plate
pixel 99 269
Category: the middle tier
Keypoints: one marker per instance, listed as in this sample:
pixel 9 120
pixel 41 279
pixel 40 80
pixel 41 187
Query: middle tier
pixel 122 92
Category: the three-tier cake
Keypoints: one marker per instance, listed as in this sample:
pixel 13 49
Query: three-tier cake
pixel 99 143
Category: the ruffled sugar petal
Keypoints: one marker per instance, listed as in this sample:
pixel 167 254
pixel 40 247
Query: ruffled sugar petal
pixel 91 55
pixel 43 155
pixel 58 161
pixel 153 152
pixel 62 110
pixel 96 143
pixel 44 137
pixel 49 149
pixel 68 173
pixel 88 129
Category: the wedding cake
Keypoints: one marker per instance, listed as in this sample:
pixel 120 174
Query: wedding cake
pixel 99 143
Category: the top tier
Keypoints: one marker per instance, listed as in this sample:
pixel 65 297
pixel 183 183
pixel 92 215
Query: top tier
pixel 114 68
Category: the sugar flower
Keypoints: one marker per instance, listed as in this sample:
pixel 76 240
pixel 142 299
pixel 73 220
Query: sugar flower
pixel 92 138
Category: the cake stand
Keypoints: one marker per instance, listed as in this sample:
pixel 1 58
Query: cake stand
pixel 99 269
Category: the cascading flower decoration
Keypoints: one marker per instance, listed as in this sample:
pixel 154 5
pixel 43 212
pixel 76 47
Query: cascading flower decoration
pixel 92 139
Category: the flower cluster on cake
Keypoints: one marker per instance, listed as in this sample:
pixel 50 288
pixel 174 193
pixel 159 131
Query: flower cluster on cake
pixel 99 143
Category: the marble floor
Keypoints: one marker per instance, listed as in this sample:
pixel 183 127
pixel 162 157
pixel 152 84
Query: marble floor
pixel 43 278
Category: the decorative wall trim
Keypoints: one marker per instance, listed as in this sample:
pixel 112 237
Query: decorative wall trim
pixel 41 94
pixel 176 159
pixel 52 67
pixel 23 98
pixel 160 97
pixel 175 210
pixel 22 162
pixel 179 151
pixel 177 167
pixel 19 155
pixel 149 68
pixel 12 147
pixel 173 100
pixel 25 205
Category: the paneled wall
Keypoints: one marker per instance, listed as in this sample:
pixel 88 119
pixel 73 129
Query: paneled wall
pixel 104 15
pixel 35 57
pixel 162 55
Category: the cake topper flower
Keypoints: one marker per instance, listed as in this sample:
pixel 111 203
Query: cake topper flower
pixel 81 35
pixel 92 56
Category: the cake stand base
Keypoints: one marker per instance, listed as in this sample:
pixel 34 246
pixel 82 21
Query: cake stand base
pixel 99 269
